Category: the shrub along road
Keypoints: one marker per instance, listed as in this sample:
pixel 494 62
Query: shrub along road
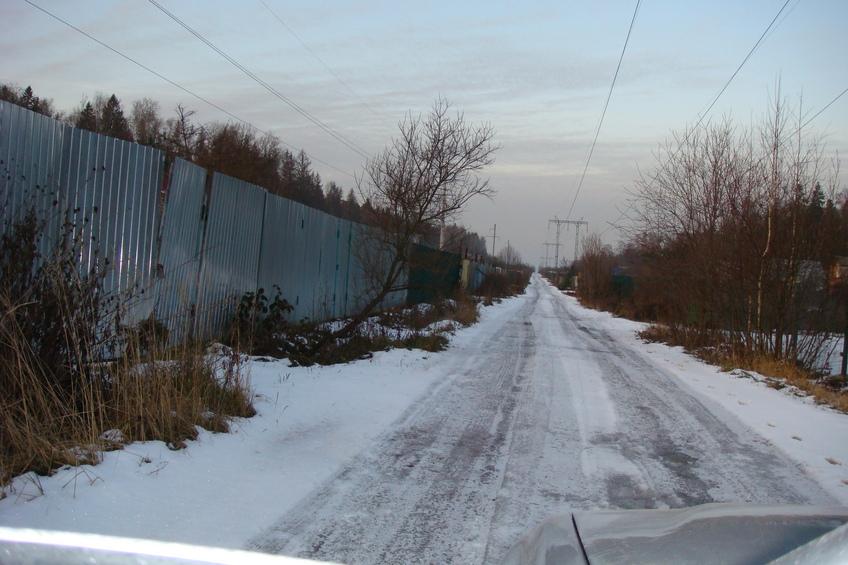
pixel 545 411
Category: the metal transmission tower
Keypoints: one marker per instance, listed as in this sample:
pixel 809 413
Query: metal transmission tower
pixel 577 224
pixel 547 253
pixel 559 223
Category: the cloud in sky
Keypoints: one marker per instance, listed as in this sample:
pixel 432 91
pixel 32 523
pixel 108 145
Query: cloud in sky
pixel 539 72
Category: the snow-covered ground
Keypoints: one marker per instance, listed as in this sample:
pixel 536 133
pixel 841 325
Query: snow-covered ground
pixel 815 436
pixel 222 488
pixel 225 489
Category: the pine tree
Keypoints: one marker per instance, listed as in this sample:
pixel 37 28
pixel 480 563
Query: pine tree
pixel 334 199
pixel 351 208
pixel 87 119
pixel 113 122
pixel 27 99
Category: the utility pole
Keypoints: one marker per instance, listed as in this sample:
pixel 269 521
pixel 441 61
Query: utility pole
pixel 494 236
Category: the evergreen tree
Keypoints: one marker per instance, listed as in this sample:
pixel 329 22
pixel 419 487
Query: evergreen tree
pixel 352 210
pixel 87 119
pixel 27 99
pixel 305 183
pixel 113 122
pixel 334 199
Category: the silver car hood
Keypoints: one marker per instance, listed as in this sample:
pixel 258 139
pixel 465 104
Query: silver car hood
pixel 711 533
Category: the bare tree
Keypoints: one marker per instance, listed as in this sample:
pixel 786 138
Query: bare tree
pixel 596 263
pixel 424 178
pixel 183 138
pixel 685 207
pixel 731 232
pixel 509 257
pixel 146 122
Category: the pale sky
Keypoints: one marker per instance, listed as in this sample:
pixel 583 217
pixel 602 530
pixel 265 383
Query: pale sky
pixel 539 72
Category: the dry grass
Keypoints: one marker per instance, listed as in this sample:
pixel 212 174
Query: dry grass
pixel 65 396
pixel 779 374
pixel 465 311
pixel 164 394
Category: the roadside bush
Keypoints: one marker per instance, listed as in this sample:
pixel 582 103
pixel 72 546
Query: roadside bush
pixel 49 315
pixel 260 325
pixel 494 286
pixel 165 394
pixel 461 309
pixel 504 284
pixel 50 305
pixel 380 333
pixel 418 327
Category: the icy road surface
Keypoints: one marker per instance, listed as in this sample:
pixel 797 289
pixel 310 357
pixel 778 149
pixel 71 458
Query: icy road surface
pixel 525 427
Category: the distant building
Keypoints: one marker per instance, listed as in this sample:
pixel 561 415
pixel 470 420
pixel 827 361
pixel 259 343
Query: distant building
pixel 837 275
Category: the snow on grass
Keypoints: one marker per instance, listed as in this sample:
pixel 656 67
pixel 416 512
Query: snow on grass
pixel 221 488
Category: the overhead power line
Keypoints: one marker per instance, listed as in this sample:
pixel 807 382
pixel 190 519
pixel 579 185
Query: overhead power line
pixel 184 89
pixel 327 129
pixel 742 64
pixel 604 112
pixel 816 115
pixel 769 30
pixel 311 52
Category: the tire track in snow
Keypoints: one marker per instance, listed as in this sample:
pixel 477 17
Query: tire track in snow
pixel 542 414
pixel 686 453
pixel 426 493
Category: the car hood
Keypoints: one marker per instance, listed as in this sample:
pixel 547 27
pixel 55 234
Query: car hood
pixel 717 533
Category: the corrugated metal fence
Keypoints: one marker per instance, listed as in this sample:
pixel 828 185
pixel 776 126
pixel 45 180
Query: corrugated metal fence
pixel 182 242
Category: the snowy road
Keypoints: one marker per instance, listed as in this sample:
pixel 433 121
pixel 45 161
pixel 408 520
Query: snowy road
pixel 545 411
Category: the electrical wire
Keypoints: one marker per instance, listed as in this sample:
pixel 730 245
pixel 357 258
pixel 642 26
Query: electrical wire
pixel 311 52
pixel 745 60
pixel 327 129
pixel 786 15
pixel 816 115
pixel 184 89
pixel 604 112
pixel 791 135
pixel 767 33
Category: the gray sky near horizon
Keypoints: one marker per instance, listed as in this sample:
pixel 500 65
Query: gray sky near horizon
pixel 538 71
